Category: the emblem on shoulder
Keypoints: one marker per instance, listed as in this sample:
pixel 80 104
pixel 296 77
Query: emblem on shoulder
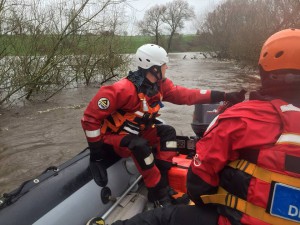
pixel 103 103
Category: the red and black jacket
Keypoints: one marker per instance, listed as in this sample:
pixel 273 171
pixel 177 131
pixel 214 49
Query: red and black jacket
pixel 251 136
pixel 122 96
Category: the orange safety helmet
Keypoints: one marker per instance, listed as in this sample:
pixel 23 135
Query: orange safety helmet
pixel 281 51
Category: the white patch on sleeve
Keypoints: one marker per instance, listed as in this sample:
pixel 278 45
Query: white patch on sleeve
pixel 212 123
pixel 289 139
pixel 289 107
pixel 203 92
pixel 92 133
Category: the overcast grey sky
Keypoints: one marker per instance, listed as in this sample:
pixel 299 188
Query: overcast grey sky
pixel 138 8
pixel 135 10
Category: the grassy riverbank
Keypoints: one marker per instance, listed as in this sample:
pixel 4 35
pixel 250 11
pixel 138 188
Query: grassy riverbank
pixel 81 44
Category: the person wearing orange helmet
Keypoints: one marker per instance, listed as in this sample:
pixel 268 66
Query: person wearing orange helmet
pixel 246 169
pixel 279 65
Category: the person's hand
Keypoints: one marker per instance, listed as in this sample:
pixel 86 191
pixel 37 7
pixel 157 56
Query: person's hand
pixel 235 97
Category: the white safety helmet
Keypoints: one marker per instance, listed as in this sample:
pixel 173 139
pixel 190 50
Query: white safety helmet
pixel 149 55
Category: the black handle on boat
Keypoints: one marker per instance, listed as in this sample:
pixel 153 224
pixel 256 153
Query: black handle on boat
pixel 105 215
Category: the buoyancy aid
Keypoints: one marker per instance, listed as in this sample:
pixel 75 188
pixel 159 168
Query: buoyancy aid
pixel 272 194
pixel 133 122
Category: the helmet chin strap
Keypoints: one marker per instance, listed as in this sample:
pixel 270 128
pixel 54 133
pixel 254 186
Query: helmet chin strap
pixel 156 72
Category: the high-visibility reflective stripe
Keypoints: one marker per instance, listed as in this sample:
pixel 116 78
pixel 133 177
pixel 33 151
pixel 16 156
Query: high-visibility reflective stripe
pixel 139 113
pixel 171 144
pixel 128 129
pixel 212 123
pixel 289 107
pixel 149 159
pixel 92 133
pixel 289 139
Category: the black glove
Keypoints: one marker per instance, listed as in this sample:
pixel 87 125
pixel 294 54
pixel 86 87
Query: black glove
pixel 235 97
pixel 231 97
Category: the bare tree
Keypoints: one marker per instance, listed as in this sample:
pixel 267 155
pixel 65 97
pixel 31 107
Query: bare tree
pixel 152 22
pixel 237 29
pixel 286 12
pixel 44 53
pixel 75 23
pixel 176 13
pixel 101 56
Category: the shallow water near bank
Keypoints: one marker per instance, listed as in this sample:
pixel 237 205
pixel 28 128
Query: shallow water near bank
pixel 38 135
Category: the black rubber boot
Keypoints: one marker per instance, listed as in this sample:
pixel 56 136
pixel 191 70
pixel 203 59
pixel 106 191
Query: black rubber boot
pixel 159 194
pixel 178 198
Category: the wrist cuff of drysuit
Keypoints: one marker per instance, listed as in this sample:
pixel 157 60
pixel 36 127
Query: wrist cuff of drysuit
pixel 100 150
pixel 196 187
pixel 217 96
pixel 95 150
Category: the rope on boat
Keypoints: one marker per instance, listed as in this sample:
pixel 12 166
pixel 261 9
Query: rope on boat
pixel 10 198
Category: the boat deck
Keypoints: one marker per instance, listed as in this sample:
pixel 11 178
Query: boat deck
pixel 134 203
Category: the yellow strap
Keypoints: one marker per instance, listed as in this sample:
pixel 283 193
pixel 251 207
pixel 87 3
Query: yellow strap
pixel 224 198
pixel 263 174
pixel 232 201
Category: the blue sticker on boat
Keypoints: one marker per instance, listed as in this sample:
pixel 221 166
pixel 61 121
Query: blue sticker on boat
pixel 286 202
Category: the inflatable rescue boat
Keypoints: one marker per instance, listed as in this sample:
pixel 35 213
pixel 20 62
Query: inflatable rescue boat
pixel 71 193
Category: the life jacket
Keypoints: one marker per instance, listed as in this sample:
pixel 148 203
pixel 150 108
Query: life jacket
pixel 122 122
pixel 272 181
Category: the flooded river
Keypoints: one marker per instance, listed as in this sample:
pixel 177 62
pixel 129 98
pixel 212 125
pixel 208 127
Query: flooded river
pixel 38 135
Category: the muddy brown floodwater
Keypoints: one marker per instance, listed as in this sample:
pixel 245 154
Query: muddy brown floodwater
pixel 38 135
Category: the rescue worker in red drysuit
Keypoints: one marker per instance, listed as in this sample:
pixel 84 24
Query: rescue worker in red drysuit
pixel 247 166
pixel 123 115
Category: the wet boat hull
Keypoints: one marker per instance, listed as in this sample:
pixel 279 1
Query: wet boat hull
pixel 69 194
pixel 66 196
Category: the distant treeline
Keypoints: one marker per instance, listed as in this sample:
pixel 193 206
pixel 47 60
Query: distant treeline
pixel 237 29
